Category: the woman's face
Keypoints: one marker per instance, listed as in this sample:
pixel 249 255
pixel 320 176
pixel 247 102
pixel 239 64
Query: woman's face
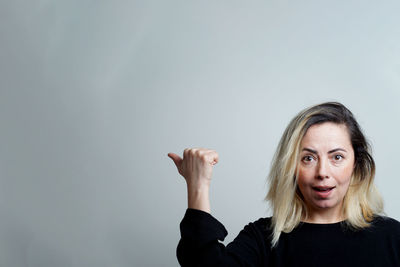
pixel 325 168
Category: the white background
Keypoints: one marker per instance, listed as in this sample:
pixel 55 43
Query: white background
pixel 94 94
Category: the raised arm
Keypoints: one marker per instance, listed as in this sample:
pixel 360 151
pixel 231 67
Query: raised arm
pixel 201 233
pixel 196 167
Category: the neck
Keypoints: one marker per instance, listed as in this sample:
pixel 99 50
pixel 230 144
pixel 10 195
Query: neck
pixel 324 216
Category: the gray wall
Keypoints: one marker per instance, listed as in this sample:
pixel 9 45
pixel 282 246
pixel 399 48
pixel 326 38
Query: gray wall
pixel 94 94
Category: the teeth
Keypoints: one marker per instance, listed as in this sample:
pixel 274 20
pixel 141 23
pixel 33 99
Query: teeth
pixel 321 189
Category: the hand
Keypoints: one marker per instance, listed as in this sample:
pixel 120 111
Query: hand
pixel 196 166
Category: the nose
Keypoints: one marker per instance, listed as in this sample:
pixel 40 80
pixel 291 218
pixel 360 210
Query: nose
pixel 323 169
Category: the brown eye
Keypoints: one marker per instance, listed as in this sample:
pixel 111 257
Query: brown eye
pixel 308 158
pixel 338 157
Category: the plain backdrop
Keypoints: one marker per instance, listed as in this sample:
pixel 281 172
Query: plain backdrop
pixel 94 94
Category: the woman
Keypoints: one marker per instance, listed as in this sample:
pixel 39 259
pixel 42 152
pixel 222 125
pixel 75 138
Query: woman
pixel 326 209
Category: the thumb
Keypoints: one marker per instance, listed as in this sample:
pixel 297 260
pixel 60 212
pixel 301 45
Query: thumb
pixel 177 159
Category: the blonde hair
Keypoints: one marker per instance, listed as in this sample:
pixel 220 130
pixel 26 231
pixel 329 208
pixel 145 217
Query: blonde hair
pixel 362 200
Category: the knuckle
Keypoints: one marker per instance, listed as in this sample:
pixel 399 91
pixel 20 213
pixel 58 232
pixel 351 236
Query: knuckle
pixel 207 157
pixel 186 151
pixel 192 151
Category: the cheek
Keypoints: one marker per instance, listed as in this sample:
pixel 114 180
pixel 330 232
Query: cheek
pixel 344 176
pixel 304 180
pixel 303 185
pixel 305 176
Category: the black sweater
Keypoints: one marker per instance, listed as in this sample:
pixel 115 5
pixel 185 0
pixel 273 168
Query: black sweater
pixel 307 245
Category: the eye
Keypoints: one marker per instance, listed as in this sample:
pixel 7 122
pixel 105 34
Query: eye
pixel 308 158
pixel 338 157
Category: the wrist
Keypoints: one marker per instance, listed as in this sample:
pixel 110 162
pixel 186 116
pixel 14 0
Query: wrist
pixel 198 198
pixel 198 188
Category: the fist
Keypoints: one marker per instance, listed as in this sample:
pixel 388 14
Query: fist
pixel 196 165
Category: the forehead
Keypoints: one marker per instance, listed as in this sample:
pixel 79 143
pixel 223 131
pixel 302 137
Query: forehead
pixel 327 133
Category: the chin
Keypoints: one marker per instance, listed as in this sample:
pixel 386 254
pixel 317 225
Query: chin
pixel 325 204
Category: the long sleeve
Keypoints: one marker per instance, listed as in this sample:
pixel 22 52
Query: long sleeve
pixel 199 244
pixel 307 245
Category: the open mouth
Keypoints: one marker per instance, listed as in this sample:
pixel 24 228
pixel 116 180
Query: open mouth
pixel 323 188
pixel 323 192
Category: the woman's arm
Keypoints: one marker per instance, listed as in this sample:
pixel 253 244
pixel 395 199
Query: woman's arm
pixel 196 167
pixel 200 232
pixel 199 244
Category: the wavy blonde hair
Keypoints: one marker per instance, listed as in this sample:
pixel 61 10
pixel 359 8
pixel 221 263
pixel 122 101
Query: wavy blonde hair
pixel 362 200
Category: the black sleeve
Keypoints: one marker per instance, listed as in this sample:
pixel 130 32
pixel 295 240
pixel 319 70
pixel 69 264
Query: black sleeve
pixel 199 245
pixel 391 230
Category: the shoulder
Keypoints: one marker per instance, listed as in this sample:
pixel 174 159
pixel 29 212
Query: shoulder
pixel 266 221
pixel 255 234
pixel 262 226
pixel 262 223
pixel 386 222
pixel 386 225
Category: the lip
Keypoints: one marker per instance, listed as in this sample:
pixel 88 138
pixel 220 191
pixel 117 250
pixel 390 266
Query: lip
pixel 323 191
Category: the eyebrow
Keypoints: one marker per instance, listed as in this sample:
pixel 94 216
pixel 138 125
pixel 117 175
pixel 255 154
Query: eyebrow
pixel 329 152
